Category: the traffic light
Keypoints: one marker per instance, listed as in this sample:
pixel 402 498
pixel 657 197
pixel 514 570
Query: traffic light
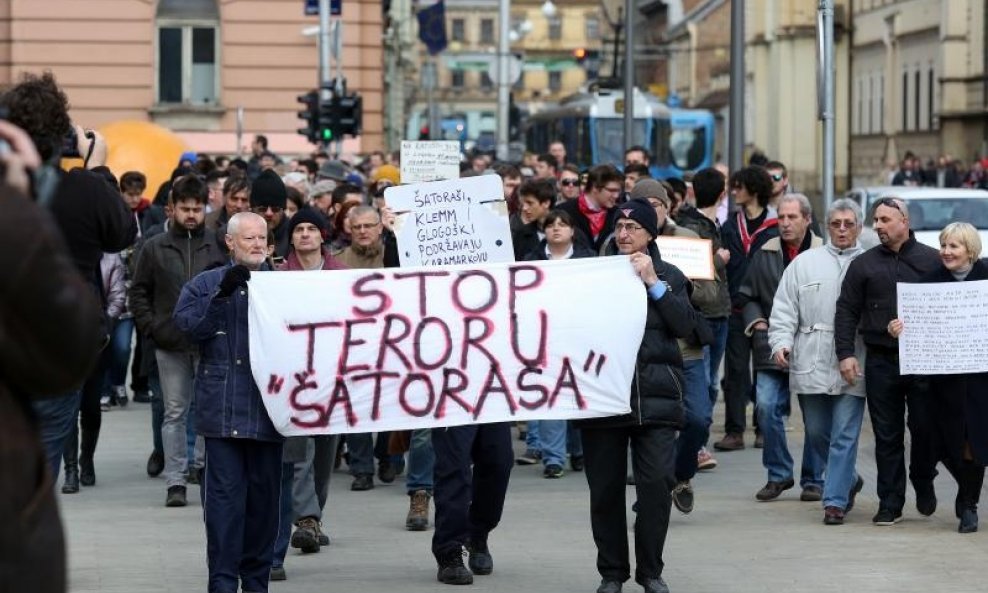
pixel 580 54
pixel 310 115
pixel 349 114
pixel 326 128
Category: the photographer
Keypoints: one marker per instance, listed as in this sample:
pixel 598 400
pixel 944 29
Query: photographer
pixel 86 207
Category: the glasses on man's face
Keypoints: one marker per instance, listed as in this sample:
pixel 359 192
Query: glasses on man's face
pixel 570 182
pixel 842 224
pixel 364 227
pixel 627 227
pixel 263 209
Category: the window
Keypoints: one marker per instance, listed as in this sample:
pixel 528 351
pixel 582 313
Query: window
pixel 458 30
pixel 905 101
pixel 555 80
pixel 487 31
pixel 593 27
pixel 485 81
pixel 456 79
pixel 555 28
pixel 187 47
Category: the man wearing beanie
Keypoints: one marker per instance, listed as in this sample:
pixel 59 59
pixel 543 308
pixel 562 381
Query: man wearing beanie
pixel 268 198
pixel 656 413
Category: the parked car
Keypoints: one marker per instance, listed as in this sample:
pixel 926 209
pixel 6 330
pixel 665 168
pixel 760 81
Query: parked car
pixel 930 209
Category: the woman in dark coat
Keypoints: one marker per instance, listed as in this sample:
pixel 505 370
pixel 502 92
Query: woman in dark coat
pixel 961 421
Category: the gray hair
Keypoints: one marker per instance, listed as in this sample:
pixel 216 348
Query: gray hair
pixel 361 210
pixel 321 188
pixel 238 219
pixel 804 203
pixel 846 205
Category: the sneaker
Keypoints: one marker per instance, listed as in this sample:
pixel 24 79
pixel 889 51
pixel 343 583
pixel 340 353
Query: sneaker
pixel 386 471
pixel 480 561
pixel 120 395
pixel 682 497
pixel 104 403
pixel 362 482
pixel 705 461
pixel 277 572
pixel 607 586
pixel 772 490
pixel 731 442
pixel 576 463
pixel 176 497
pixel 853 494
pixel 306 536
pixel 452 571
pixel 886 517
pixel 926 497
pixel 418 511
pixel 833 516
pixel 531 457
pixel 156 464
pixel 811 493
pixel 552 471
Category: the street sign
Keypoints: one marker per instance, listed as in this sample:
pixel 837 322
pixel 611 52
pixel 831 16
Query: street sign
pixel 312 7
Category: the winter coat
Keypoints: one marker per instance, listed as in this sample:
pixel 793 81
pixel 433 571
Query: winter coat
pixel 720 306
pixel 802 321
pixel 731 233
pixel 656 396
pixel 538 254
pixel 228 403
pixel 758 292
pixel 292 263
pixel 114 274
pixel 165 263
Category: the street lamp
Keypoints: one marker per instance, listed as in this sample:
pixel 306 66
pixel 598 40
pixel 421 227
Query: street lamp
pixel 549 9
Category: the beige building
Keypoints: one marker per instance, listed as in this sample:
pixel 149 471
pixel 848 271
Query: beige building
pixel 918 83
pixel 192 65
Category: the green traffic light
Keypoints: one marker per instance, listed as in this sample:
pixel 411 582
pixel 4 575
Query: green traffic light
pixel 327 134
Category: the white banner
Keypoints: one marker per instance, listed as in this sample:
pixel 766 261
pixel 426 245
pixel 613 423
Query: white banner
pixel 454 222
pixel 429 160
pixel 944 328
pixel 693 256
pixel 394 349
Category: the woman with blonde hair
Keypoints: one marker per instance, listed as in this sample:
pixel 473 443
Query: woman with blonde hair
pixel 961 416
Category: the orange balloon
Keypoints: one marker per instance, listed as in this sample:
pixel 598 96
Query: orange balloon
pixel 145 147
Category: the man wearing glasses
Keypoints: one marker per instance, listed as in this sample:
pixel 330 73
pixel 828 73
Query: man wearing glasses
pixel 780 181
pixel 866 305
pixel 569 183
pixel 268 199
pixel 592 213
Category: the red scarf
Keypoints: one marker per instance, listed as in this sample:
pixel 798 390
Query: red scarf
pixel 746 239
pixel 597 218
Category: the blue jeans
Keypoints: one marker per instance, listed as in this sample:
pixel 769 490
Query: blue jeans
pixel 532 440
pixel 285 516
pixel 552 437
pixel 699 415
pixel 421 462
pixel 714 354
pixel 772 398
pixel 833 424
pixel 119 351
pixel 56 417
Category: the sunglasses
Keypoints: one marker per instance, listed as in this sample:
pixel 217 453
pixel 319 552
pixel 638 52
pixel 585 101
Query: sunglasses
pixel 842 224
pixel 777 176
pixel 891 203
pixel 263 209
pixel 570 182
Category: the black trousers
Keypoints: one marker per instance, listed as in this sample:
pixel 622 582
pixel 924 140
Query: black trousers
pixel 890 396
pixel 241 507
pixel 737 376
pixel 469 500
pixel 605 452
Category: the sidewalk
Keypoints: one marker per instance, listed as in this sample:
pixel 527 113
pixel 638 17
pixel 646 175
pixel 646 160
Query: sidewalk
pixel 122 539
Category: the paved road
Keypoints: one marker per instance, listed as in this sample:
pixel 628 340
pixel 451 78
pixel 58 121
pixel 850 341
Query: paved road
pixel 122 539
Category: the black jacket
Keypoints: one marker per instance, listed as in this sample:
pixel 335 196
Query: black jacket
pixel 581 225
pixel 868 299
pixel 164 264
pixel 657 386
pixel 694 220
pixel 524 239
pixel 737 268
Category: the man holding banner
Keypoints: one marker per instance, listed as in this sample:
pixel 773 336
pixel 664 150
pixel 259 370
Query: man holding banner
pixel 656 413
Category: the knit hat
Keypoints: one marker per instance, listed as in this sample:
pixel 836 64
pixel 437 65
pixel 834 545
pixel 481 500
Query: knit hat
pixel 389 172
pixel 188 155
pixel 640 211
pixel 310 215
pixel 268 190
pixel 649 188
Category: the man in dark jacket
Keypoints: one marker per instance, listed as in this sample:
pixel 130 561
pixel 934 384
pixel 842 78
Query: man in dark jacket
pixel 744 233
pixel 592 213
pixel 268 198
pixel 241 484
pixel 536 197
pixel 868 304
pixel 656 413
pixel 772 383
pixel 165 263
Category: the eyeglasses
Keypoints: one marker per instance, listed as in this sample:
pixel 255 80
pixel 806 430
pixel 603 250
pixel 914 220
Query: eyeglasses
pixel 627 227
pixel 777 176
pixel 263 209
pixel 363 227
pixel 842 224
pixel 572 182
pixel 612 189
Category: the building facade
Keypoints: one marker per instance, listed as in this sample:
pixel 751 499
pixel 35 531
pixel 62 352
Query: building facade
pixel 202 68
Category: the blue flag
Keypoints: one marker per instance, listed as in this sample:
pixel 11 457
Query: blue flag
pixel 432 26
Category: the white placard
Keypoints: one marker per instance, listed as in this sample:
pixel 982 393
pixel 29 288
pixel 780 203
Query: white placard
pixel 693 256
pixel 944 328
pixel 355 351
pixel 454 222
pixel 429 160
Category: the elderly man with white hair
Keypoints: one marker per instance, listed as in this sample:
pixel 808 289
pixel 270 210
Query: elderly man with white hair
pixel 801 334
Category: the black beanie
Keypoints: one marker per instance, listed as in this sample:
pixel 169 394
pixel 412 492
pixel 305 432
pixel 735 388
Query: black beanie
pixel 310 215
pixel 640 211
pixel 268 190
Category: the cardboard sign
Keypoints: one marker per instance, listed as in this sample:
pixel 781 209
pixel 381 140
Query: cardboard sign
pixel 429 160
pixel 455 222
pixel 393 349
pixel 944 328
pixel 693 256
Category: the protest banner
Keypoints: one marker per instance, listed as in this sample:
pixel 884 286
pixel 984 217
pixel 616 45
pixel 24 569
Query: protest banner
pixel 693 256
pixel 355 351
pixel 429 160
pixel 459 221
pixel 944 328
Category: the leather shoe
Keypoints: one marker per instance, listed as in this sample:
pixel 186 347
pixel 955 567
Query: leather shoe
pixel 156 464
pixel 362 482
pixel 772 490
pixel 926 497
pixel 811 493
pixel 656 585
pixel 969 520
pixel 607 586
pixel 731 442
pixel 853 495
pixel 71 483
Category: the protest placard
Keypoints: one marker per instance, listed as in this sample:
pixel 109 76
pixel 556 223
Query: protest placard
pixel 459 221
pixel 944 328
pixel 693 256
pixel 355 351
pixel 429 160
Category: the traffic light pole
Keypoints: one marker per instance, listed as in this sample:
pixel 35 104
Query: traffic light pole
pixel 325 92
pixel 503 85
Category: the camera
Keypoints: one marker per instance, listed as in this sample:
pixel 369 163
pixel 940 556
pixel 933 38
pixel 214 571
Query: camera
pixel 70 144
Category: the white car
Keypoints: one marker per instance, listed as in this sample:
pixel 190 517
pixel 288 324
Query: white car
pixel 930 209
